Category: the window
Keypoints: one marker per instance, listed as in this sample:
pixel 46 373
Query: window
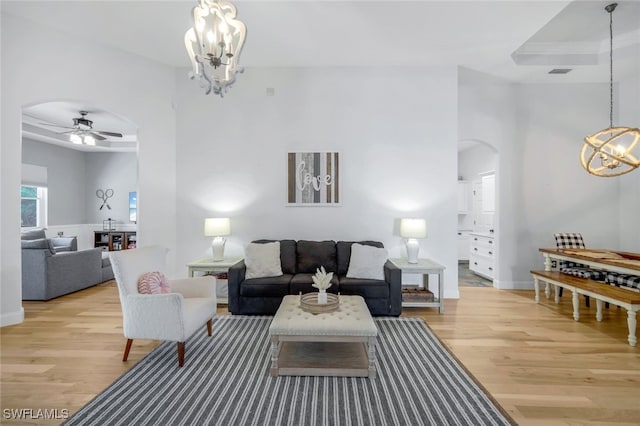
pixel 33 206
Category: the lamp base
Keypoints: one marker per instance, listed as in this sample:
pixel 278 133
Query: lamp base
pixel 217 248
pixel 413 247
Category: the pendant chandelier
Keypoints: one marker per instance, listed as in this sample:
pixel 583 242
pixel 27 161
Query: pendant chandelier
pixel 214 45
pixel 616 150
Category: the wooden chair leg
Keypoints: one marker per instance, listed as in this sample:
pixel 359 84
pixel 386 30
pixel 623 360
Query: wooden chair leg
pixel 560 292
pixel 180 354
pixel 587 301
pixel 209 323
pixel 127 349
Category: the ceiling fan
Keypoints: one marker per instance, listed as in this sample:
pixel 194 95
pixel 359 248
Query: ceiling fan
pixel 83 131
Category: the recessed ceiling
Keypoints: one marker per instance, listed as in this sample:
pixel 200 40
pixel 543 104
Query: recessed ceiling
pixel 51 122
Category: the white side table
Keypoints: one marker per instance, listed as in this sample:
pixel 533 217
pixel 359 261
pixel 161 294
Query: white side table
pixel 424 267
pixel 207 265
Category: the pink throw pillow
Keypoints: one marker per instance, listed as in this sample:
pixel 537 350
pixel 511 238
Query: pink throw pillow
pixel 153 283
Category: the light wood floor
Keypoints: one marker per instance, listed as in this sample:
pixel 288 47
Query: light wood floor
pixel 542 367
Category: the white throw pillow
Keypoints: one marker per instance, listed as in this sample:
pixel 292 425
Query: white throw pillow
pixel 367 262
pixel 263 260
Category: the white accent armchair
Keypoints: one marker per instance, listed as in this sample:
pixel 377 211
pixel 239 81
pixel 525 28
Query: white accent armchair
pixel 172 316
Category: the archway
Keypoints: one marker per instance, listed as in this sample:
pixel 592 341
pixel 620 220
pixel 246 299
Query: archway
pixel 73 172
pixel 478 213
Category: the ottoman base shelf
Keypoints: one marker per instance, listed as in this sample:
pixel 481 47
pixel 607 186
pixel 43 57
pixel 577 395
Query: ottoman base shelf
pixel 319 359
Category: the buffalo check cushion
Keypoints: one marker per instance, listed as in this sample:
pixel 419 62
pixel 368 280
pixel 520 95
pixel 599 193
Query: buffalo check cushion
pixel 630 282
pixel 590 274
pixel 565 240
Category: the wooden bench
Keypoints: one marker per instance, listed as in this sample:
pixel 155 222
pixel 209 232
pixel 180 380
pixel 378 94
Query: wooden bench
pixel 601 292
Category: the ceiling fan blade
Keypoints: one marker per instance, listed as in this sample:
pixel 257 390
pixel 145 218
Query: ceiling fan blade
pixel 97 136
pixel 55 125
pixel 113 134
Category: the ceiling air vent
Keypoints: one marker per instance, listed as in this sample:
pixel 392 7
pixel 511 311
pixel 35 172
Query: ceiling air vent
pixel 560 70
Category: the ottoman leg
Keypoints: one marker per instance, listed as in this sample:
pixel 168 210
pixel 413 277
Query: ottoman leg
pixel 275 351
pixel 372 357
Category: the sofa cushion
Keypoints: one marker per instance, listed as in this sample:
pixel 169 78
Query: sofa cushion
pixel 33 234
pixel 266 287
pixel 367 262
pixel 343 250
pixel 41 243
pixel 369 289
pixel 263 260
pixel 153 283
pixel 313 254
pixel 287 254
pixel 302 283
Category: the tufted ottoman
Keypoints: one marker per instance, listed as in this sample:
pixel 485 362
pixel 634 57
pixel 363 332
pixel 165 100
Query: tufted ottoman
pixel 339 343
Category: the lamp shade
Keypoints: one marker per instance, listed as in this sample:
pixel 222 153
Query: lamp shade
pixel 413 228
pixel 217 226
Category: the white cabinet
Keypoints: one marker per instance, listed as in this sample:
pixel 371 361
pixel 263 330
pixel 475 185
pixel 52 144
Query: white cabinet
pixel 464 245
pixel 489 193
pixel 483 255
pixel 463 197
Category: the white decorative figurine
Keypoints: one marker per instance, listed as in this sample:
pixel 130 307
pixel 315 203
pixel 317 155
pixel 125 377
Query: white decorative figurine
pixel 322 281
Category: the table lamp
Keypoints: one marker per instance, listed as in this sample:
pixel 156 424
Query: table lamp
pixel 217 227
pixel 411 229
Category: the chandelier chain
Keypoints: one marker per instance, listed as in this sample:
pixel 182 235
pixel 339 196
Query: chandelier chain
pixel 611 68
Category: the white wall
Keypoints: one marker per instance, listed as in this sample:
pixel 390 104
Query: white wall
pixel 629 115
pixel 542 188
pixel 117 171
pixel 133 87
pixel 66 180
pixel 394 129
pixel 486 113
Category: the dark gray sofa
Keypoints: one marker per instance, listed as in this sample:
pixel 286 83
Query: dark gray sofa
pixel 299 261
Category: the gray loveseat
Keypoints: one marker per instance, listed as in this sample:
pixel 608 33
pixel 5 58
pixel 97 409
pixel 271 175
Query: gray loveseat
pixel 48 273
pixel 299 261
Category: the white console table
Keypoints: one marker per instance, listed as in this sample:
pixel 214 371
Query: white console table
pixel 425 267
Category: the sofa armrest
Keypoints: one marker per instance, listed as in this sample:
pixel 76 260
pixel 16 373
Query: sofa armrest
pixel 34 273
pixel 236 277
pixel 61 244
pixel 393 276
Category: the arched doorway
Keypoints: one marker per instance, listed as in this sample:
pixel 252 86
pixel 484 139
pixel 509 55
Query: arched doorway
pixel 477 213
pixel 70 174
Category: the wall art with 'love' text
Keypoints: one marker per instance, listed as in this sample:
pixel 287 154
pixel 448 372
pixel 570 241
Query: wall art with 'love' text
pixel 313 179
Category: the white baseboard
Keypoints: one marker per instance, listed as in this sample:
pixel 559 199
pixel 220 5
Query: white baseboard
pixel 12 318
pixel 513 285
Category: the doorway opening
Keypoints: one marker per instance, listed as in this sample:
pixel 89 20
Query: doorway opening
pixel 478 214
pixel 79 151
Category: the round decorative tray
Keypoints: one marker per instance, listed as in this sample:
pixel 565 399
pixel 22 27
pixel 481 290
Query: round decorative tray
pixel 309 303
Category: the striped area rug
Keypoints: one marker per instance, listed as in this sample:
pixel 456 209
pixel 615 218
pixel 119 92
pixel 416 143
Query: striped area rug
pixel 226 381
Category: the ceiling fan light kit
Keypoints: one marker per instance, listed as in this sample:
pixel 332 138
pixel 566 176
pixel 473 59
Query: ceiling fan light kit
pixel 80 138
pixel 214 45
pixel 613 151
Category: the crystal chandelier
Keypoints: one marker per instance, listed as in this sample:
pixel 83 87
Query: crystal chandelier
pixel 612 151
pixel 214 45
